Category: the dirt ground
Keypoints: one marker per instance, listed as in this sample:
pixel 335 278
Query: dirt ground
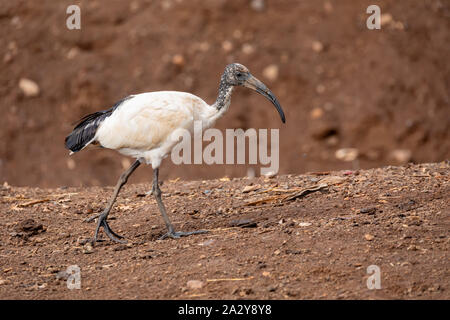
pixel 383 92
pixel 290 237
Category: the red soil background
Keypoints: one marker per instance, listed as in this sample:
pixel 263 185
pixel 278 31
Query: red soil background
pixel 341 85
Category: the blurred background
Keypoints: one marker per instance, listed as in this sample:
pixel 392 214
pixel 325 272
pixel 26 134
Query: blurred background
pixel 353 97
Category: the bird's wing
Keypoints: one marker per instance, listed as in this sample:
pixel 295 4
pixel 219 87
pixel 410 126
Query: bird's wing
pixel 147 120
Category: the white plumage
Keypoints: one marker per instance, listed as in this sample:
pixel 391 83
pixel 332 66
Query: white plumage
pixel 142 126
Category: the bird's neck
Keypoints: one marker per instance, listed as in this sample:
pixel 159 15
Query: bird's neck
pixel 224 98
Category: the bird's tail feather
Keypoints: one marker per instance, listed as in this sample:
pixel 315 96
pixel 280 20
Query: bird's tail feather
pixel 84 132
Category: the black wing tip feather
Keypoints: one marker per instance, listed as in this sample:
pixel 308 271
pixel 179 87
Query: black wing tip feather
pixel 85 129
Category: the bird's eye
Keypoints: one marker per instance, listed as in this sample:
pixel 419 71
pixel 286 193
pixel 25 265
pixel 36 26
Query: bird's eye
pixel 239 75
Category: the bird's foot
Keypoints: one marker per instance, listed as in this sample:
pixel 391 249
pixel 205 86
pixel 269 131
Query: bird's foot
pixel 111 234
pixel 179 234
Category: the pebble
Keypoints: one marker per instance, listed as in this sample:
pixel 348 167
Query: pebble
pixel 368 211
pixel 386 18
pixel 258 5
pixel 320 89
pixel 73 52
pixel 194 284
pixel 71 164
pixel 62 275
pixel 331 180
pixel 317 46
pixel 247 49
pixel 250 188
pixel 347 154
pixel 243 223
pixel 271 72
pixel 227 46
pixel 29 226
pixel 178 60
pixel 29 88
pixel 328 7
pixel 369 237
pixel 304 224
pixel 87 248
pixel 207 242
pixel 401 156
pixel 316 113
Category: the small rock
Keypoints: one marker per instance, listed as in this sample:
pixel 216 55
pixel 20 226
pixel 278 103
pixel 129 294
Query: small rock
pixel 332 180
pixel 178 60
pixel 207 242
pixel 194 284
pixel 71 164
pixel 316 113
pixel 272 288
pixel 237 34
pixel 247 49
pixel 317 46
pixel 83 241
pixel 369 237
pixel 3 282
pixel 368 211
pixel 7 58
pixel 320 89
pixel 227 46
pixel 250 188
pixel 29 87
pixel 62 275
pixel 258 5
pixel 87 248
pixel 271 72
pixel 328 7
pixel 347 154
pixel 243 223
pixel 386 18
pixel 304 224
pixel 401 156
pixel 73 52
pixel 30 227
pixel 245 292
pixel 407 206
pixel 43 286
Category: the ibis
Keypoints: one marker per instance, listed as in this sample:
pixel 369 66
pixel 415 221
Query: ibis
pixel 140 126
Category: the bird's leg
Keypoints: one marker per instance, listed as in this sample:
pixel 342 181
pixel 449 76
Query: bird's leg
pixel 170 229
pixel 103 216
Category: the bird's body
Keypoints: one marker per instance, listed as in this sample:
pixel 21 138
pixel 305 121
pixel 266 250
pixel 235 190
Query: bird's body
pixel 143 126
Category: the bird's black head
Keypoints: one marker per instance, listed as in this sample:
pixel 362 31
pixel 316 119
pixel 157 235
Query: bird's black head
pixel 238 75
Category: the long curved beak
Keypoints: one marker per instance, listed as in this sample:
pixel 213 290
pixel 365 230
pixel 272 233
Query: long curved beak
pixel 261 88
